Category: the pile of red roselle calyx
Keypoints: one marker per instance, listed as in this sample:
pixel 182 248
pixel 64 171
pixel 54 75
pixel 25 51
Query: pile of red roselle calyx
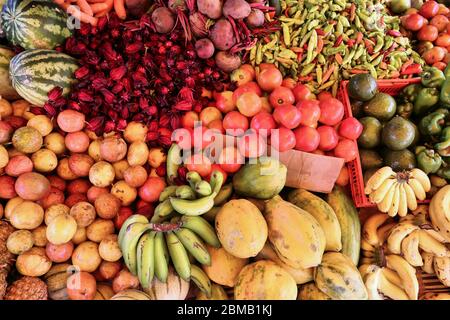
pixel 129 72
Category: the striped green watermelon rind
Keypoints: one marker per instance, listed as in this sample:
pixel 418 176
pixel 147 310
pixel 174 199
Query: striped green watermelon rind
pixel 34 24
pixel 6 89
pixel 35 72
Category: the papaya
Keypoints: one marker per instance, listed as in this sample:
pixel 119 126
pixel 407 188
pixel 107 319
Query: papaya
pixel 241 228
pixel 323 213
pixel 262 180
pixel 309 291
pixel 300 275
pixel 348 218
pixel 224 267
pixel 295 235
pixel 338 277
pixel 265 280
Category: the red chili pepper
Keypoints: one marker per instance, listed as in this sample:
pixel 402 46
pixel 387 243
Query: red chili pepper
pixel 407 64
pixel 272 14
pixel 305 79
pixel 320 32
pixel 350 43
pixel 299 56
pixel 352 12
pixel 357 71
pixel 338 41
pixel 359 37
pixel 394 33
pixel 412 69
pixel 319 45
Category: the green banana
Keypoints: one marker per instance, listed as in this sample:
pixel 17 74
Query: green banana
pixel 216 182
pixel 199 277
pixel 178 255
pixel 132 219
pixel 163 209
pixel 192 207
pixel 224 194
pixel 173 162
pixel 211 214
pixel 146 259
pixel 192 178
pixel 185 192
pixel 167 192
pixel 194 245
pixel 203 188
pixel 129 244
pixel 202 228
pixel 161 258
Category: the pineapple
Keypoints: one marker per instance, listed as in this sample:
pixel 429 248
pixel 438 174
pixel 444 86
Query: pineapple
pixel 27 288
pixel 6 257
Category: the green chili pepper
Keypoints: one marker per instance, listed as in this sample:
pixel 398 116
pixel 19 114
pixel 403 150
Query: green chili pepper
pixel 425 100
pixel 311 46
pixel 429 161
pixel 432 78
pixel 307 69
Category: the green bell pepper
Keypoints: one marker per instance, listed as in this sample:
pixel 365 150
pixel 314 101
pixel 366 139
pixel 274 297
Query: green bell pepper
pixel 425 100
pixel 447 71
pixel 410 92
pixel 429 161
pixel 444 171
pixel 443 147
pixel 445 93
pixel 432 78
pixel 405 109
pixel 433 124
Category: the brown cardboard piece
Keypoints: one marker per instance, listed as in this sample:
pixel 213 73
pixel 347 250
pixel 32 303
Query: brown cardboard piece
pixel 311 171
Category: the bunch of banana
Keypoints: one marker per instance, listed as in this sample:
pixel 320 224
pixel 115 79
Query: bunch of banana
pixel 194 199
pixel 397 192
pixel 148 248
pixel 440 212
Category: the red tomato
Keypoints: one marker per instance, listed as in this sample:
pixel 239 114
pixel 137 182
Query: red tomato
pixel 199 163
pixel 216 125
pixel 350 128
pixel 263 121
pixel 234 122
pixel 289 83
pixel 440 65
pixel 230 159
pixel 249 68
pixel 288 116
pixel 241 76
pixel 307 139
pixel 429 9
pixel 346 149
pixel 269 79
pixel 448 28
pixel 428 33
pixel 440 22
pixel 183 137
pixel 202 137
pixel 310 112
pixel 281 96
pixel 265 65
pixel 443 9
pixel 217 167
pixel 328 138
pixel 324 95
pixel 152 188
pixel 446 59
pixel 248 87
pixel 434 55
pixel 225 101
pixel 266 105
pixel 251 145
pixel 124 214
pixel 443 40
pixel 302 92
pixel 331 111
pixel 249 104
pixel 414 22
pixel 283 139
pixel 189 118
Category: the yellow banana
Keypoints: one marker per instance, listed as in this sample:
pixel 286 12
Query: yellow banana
pixel 202 228
pixel 185 192
pixel 371 226
pixel 194 245
pixel 428 259
pixel 384 231
pixel 379 194
pixel 364 269
pixel 429 244
pixel 392 212
pixel 410 249
pixel 417 188
pixel 440 212
pixel 406 272
pixel 366 246
pixel 372 282
pixel 392 277
pixel 173 162
pixel 135 218
pixel 386 204
pixel 403 204
pixel 442 269
pixel 377 179
pixel 163 209
pixel 199 277
pixel 129 243
pixel 436 296
pixel 161 258
pixel 422 177
pixel 436 235
pixel 146 259
pixel 397 234
pixel 179 256
pixel 203 188
pixel 224 194
pixel 390 290
pixel 411 199
pixel 167 192
pixel 192 178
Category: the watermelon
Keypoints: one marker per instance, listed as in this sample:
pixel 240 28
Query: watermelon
pixel 34 24
pixel 35 72
pixel 6 90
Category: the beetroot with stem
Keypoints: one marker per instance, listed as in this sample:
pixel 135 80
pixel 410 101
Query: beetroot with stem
pixel 210 8
pixel 255 18
pixel 237 9
pixel 222 35
pixel 163 19
pixel 204 48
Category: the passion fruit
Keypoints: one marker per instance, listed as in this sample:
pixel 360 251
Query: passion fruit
pixel 27 140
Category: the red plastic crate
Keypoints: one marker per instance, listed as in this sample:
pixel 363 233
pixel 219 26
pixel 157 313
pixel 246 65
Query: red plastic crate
pixel 392 87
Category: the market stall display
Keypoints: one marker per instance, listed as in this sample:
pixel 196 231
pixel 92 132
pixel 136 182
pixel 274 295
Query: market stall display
pixel 215 150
